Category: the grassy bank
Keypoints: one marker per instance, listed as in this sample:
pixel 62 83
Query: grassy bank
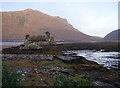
pixel 40 73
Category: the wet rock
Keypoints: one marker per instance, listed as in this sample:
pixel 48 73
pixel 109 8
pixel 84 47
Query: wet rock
pixel 50 69
pixel 71 59
pixel 41 79
pixel 67 58
pixel 23 74
pixel 35 69
pixel 27 57
pixel 104 85
pixel 19 72
pixel 65 71
pixel 69 54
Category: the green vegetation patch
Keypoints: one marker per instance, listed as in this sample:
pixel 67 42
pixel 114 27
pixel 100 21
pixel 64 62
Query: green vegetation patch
pixel 9 77
pixel 67 81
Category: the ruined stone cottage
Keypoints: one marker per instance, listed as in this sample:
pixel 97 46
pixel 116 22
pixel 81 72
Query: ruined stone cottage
pixel 37 42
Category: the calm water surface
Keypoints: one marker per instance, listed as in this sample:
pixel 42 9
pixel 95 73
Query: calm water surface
pixel 10 43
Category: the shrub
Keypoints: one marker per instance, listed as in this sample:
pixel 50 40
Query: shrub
pixel 9 78
pixel 65 81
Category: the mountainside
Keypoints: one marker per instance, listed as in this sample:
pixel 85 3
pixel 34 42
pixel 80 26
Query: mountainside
pixel 17 24
pixel 113 36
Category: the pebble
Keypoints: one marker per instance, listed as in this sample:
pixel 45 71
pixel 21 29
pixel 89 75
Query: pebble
pixel 41 79
pixel 23 74
pixel 35 69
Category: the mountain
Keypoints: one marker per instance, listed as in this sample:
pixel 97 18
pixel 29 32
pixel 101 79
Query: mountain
pixel 17 24
pixel 113 36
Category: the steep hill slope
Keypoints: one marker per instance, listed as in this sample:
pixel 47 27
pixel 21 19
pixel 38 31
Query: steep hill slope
pixel 113 36
pixel 16 24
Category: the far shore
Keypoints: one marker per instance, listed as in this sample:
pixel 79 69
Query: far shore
pixel 106 46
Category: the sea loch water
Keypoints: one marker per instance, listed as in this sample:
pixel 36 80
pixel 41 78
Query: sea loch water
pixel 106 59
pixel 9 44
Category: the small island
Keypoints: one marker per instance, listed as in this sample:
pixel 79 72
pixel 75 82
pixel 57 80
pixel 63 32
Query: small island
pixel 38 42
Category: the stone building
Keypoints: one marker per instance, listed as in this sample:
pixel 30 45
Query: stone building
pixel 37 42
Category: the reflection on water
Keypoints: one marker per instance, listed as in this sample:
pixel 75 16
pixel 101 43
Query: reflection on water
pixel 107 59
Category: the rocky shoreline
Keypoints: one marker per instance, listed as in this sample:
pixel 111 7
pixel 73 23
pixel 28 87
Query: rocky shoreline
pixel 36 57
pixel 51 65
pixel 38 67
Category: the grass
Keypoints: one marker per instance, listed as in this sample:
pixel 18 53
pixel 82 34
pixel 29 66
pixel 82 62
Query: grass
pixel 32 64
pixel 66 81
pixel 10 77
pixel 33 79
